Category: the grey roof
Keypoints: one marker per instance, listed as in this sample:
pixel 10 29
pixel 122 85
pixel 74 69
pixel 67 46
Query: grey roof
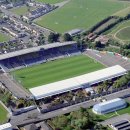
pixel 109 106
pixel 34 49
pixel 119 123
pixel 74 31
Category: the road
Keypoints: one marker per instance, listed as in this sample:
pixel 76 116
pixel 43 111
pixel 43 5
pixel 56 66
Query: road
pixel 24 118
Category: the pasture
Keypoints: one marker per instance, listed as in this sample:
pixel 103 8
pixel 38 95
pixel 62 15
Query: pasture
pixel 56 70
pixel 81 14
pixel 50 1
pixel 3 114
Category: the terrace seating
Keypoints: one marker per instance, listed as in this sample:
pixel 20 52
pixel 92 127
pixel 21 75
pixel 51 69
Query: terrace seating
pixel 39 57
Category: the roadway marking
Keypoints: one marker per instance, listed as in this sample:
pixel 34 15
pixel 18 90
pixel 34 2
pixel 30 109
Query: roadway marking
pixel 98 55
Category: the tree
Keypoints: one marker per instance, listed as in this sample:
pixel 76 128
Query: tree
pixel 98 44
pixel 67 37
pixel 53 37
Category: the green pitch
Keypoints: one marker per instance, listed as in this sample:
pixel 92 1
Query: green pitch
pixel 3 37
pixel 50 1
pixel 3 114
pixel 80 14
pixel 56 70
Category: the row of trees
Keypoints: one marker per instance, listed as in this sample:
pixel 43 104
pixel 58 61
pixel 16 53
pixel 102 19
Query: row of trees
pixel 114 84
pixel 123 81
pixel 77 120
pixel 55 37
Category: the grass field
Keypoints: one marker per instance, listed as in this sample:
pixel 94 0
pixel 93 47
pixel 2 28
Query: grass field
pixel 50 1
pixel 123 13
pixel 3 114
pixel 56 70
pixel 124 34
pixel 121 32
pixel 3 37
pixel 80 14
pixel 21 10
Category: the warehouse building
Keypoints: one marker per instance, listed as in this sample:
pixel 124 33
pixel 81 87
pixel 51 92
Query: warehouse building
pixel 82 81
pixel 109 106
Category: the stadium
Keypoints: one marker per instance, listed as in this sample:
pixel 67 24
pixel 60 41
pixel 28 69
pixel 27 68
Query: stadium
pixel 53 69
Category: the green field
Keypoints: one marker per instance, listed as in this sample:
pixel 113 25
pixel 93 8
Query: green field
pixel 21 10
pixel 121 32
pixel 56 70
pixel 50 1
pixel 3 114
pixel 124 34
pixel 123 13
pixel 80 14
pixel 3 37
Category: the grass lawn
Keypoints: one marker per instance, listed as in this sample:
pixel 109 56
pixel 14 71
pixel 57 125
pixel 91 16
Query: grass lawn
pixel 3 37
pixel 21 10
pixel 80 14
pixel 123 13
pixel 3 114
pixel 56 70
pixel 124 34
pixel 50 1
pixel 121 32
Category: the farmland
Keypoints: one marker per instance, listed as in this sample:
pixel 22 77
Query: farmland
pixel 80 14
pixel 56 70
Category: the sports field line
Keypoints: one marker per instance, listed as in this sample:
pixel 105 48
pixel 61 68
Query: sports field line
pixel 118 32
pixel 96 60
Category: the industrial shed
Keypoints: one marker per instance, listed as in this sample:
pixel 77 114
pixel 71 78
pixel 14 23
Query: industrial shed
pixel 109 106
pixel 82 81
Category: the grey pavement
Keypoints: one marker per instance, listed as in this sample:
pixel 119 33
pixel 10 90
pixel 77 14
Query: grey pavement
pixel 108 59
pixel 23 118
pixel 14 87
pixel 115 119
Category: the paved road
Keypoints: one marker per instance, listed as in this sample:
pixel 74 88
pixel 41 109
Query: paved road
pixel 115 119
pixel 16 89
pixel 108 59
pixel 23 118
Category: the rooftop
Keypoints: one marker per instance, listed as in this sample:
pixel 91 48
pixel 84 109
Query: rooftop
pixel 77 82
pixel 34 49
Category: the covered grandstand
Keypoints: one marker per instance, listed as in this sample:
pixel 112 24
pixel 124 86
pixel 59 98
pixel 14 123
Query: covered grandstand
pixel 109 106
pixel 37 55
pixel 82 81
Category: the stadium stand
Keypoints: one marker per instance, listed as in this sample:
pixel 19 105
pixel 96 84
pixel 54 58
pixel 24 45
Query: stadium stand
pixel 37 55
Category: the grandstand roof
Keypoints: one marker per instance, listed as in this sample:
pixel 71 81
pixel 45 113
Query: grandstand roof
pixel 34 49
pixel 77 82
pixel 109 106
